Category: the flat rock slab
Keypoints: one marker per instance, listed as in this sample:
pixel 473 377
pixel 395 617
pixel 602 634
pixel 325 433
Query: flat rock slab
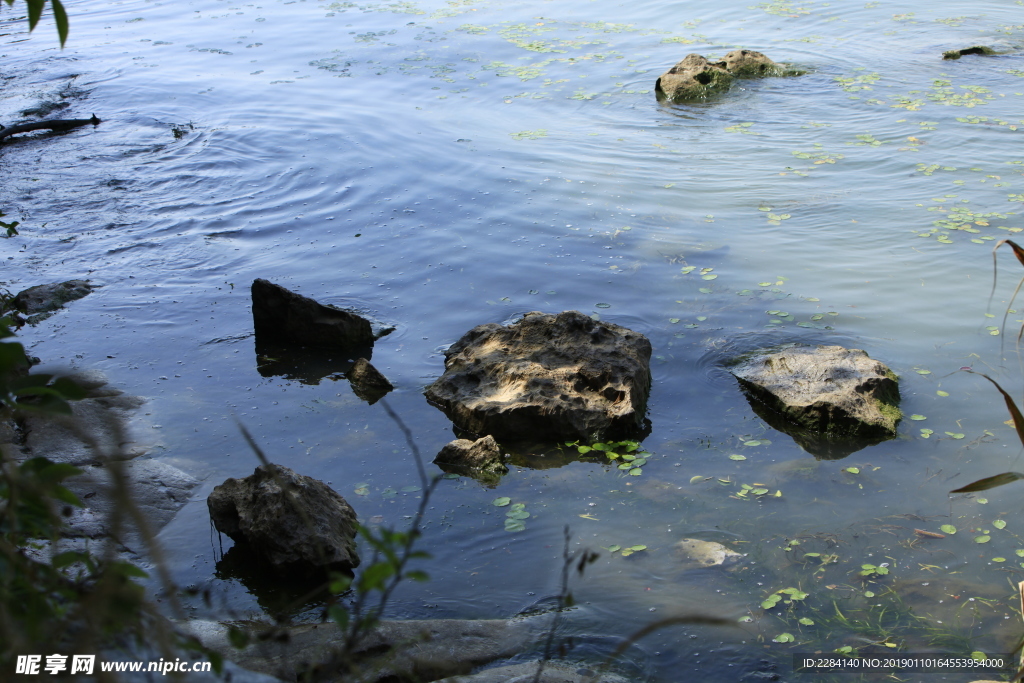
pixel 558 377
pixel 295 522
pixel 282 315
pixel 97 429
pixel 830 399
pixel 422 650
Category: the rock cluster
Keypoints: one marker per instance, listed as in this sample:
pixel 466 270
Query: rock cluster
pixel 696 78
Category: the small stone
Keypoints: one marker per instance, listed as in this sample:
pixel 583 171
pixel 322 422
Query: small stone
pixel 367 382
pixel 481 459
pixel 282 315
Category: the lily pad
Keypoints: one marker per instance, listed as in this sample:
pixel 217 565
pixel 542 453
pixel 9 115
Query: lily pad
pixel 950 529
pixel 501 502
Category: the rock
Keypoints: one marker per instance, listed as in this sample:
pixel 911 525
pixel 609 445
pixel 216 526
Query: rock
pixel 974 50
pixel 557 377
pixel 750 64
pixel 696 78
pixel 367 382
pixel 693 78
pixel 481 458
pixel 293 521
pixel 831 400
pixel 554 672
pixel 697 553
pixel 395 651
pixel 283 315
pixel 41 301
pixel 157 488
pixel 97 428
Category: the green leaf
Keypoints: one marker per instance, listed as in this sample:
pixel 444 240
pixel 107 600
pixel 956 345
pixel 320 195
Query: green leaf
pixel 514 525
pixel 614 548
pixel 999 524
pixel 501 502
pixel 636 471
pixel 990 482
pixel 982 539
pixel 806 622
pixel 637 548
pixel 853 470
pixel 517 514
pixel 948 529
pixel 737 456
pixel 784 638
pixel 918 417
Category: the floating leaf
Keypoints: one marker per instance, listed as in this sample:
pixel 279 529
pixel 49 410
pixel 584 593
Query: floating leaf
pixel 784 638
pixel 639 462
pixel 514 525
pixel 636 472
pixel 924 372
pixel 940 392
pixel 637 548
pixel 999 524
pixel 517 514
pixel 982 539
pixel 709 276
pixel 950 529
pixel 603 305
pixel 752 442
pixel 759 491
pixel 806 622
pixel 853 470
pixel 501 502
pixel 688 269
pixel 918 417
pixel 410 489
pixel 999 559
pixel 673 320
pixel 614 548
pixel 1020 553
pixel 695 479
pixel 983 501
pixel 737 456
pixel 955 435
pixel 362 489
pixel 704 290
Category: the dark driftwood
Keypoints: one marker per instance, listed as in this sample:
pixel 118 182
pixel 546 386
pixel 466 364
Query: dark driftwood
pixel 52 124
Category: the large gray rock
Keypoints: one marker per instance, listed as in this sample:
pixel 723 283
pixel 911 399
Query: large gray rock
pixel 696 78
pixel 424 650
pixel 97 429
pixel 293 521
pixel 830 399
pixel 282 315
pixel 559 377
pixel 479 459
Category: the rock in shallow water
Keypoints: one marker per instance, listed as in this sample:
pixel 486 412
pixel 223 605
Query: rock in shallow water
pixel 291 520
pixel 479 459
pixel 830 399
pixel 282 315
pixel 696 78
pixel 558 377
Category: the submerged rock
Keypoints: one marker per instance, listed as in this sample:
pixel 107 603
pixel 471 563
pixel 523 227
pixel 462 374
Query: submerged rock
pixel 696 78
pixel 557 377
pixel 282 315
pixel 697 553
pixel 367 382
pixel 291 520
pixel 41 301
pixel 973 50
pixel 480 459
pixel 831 400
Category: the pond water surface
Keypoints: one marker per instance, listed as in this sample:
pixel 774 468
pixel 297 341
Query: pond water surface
pixel 440 165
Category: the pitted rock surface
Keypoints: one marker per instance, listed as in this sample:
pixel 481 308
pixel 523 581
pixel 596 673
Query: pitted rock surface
pixel 560 377
pixel 694 77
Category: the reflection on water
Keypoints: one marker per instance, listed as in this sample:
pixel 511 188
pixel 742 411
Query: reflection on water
pixel 451 164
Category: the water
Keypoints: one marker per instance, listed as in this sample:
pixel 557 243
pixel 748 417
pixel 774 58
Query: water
pixel 442 165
